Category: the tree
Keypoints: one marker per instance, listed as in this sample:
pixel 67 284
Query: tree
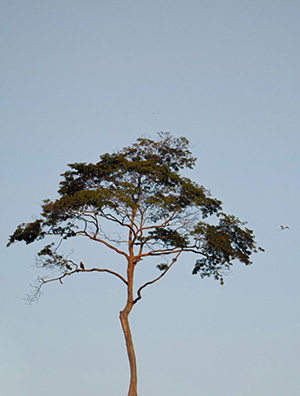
pixel 159 213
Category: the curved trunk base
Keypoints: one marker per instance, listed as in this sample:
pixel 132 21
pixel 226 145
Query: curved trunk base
pixel 130 352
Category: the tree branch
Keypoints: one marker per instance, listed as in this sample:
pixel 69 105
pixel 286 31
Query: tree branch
pixel 109 216
pixel 139 296
pixel 161 252
pixel 106 270
pixel 164 223
pixel 106 244
pixel 75 271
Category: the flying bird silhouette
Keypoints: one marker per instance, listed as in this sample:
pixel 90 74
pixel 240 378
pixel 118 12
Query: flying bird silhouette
pixel 283 227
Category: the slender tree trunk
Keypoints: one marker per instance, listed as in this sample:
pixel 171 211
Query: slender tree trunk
pixel 124 315
pixel 130 350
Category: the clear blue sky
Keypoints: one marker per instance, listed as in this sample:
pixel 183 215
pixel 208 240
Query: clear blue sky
pixel 80 78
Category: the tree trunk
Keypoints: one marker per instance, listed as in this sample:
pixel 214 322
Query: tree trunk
pixel 126 311
pixel 130 351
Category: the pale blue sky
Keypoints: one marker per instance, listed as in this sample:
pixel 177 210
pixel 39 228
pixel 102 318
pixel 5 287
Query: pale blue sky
pixel 80 78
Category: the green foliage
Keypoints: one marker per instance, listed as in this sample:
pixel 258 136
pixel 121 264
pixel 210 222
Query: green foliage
pixel 139 188
pixel 169 237
pixel 162 267
pixel 27 232
pixel 221 244
pixel 49 258
pixel 47 250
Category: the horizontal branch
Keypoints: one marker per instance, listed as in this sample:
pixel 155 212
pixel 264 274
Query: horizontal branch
pixel 161 252
pixel 75 271
pixel 192 250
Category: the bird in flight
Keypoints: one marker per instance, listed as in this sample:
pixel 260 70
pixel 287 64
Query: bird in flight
pixel 283 227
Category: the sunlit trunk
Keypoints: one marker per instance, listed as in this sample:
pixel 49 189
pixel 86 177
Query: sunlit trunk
pixel 130 351
pixel 124 315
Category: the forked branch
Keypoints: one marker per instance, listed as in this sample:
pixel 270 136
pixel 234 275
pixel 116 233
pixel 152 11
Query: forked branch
pixel 139 295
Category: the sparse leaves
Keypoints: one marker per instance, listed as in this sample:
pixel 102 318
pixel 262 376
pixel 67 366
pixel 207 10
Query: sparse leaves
pixel 162 267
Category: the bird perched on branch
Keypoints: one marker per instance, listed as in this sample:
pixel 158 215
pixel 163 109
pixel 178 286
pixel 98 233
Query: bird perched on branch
pixel 283 227
pixel 81 265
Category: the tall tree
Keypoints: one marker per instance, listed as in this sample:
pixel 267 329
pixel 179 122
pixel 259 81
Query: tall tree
pixel 158 211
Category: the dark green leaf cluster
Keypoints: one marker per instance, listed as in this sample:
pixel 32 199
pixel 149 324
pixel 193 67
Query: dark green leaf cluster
pixel 162 267
pixel 49 258
pixel 169 237
pixel 168 151
pixel 144 175
pixel 221 244
pixel 27 232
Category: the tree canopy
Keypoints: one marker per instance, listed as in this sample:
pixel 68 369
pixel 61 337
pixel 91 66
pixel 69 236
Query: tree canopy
pixel 140 189
pixel 158 211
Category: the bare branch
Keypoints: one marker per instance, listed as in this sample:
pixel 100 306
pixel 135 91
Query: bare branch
pixel 105 243
pixel 42 281
pixel 106 270
pixel 164 223
pixel 109 216
pixel 139 296
pixel 161 252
